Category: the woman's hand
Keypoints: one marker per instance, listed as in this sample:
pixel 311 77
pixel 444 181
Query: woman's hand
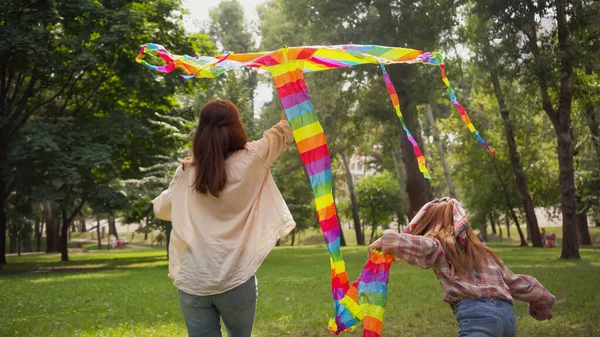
pixel 283 115
pixel 375 246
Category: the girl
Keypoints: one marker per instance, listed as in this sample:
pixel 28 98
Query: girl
pixel 477 285
pixel 227 214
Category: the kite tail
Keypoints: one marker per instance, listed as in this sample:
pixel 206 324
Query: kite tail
pixel 394 96
pixel 314 153
pixel 436 58
pixel 371 287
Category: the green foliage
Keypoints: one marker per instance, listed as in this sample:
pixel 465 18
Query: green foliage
pixel 380 198
pixel 78 115
pixel 230 31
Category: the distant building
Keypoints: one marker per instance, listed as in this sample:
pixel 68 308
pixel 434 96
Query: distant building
pixel 361 166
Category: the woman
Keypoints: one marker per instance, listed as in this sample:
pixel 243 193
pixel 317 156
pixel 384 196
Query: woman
pixel 227 214
pixel 477 285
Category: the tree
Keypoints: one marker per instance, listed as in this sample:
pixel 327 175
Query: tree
pixel 229 29
pixel 379 198
pixel 68 73
pixel 480 39
pixel 551 62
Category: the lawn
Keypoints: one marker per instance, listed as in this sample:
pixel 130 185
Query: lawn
pixel 127 293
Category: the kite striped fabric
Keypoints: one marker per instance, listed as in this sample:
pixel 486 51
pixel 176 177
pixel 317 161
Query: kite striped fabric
pixel 366 298
pixel 411 139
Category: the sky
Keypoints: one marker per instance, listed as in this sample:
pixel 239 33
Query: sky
pixel 198 15
pixel 199 11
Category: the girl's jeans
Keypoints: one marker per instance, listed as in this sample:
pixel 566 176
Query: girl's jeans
pixel 485 318
pixel 236 307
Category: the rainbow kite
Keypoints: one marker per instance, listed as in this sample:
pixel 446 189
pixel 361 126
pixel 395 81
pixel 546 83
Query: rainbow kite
pixel 365 299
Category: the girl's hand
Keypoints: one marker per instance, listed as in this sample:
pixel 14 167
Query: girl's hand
pixel 375 246
pixel 283 115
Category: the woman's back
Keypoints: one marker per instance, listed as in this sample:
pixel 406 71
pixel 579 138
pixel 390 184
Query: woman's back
pixel 218 243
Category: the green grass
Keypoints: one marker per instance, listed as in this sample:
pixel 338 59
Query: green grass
pixel 127 293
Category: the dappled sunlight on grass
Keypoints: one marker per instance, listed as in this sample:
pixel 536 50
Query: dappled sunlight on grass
pixel 82 276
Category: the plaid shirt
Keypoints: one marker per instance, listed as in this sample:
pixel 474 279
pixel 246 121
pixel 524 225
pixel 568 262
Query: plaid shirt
pixel 492 281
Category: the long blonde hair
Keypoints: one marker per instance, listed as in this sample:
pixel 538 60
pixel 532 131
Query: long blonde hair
pixel 438 222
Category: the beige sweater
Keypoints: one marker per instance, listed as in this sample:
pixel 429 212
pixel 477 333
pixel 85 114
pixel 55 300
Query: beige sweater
pixel 217 244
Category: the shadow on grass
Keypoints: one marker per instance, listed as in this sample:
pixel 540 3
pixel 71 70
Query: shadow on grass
pixel 80 263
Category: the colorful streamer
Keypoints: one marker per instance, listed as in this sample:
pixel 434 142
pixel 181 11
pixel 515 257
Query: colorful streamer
pixel 366 298
pixel 411 139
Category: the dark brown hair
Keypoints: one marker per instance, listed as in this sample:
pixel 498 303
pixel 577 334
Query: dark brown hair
pixel 438 223
pixel 219 133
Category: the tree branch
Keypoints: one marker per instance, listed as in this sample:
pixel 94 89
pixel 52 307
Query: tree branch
pixel 3 89
pixel 538 67
pixel 15 91
pixel 32 110
pixel 77 209
pixel 23 103
pixel 566 65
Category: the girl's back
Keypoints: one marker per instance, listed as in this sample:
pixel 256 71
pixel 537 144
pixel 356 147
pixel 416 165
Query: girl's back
pixel 477 285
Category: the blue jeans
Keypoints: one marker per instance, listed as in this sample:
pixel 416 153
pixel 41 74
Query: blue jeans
pixel 485 318
pixel 202 314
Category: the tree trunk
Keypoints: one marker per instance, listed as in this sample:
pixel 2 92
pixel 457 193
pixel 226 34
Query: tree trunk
pixel 418 188
pixel 293 237
pixel 592 118
pixel 342 238
pixel 516 221
pixel 82 227
pixel 52 229
pixel 584 231
pixel 508 203
pixel 401 177
pixel 515 160
pixel 561 120
pixel 493 223
pixel 507 229
pixel 500 231
pixel 360 238
pixel 36 230
pixel 483 230
pixel 570 245
pixel 112 226
pixel 27 242
pixel 3 194
pixel 168 239
pixel 518 225
pixel 2 226
pixel 12 246
pixel 66 223
pixel 373 227
pixel 438 143
pixel 38 236
pixel 98 234
pixel 64 244
pixel 146 229
pixel 18 235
